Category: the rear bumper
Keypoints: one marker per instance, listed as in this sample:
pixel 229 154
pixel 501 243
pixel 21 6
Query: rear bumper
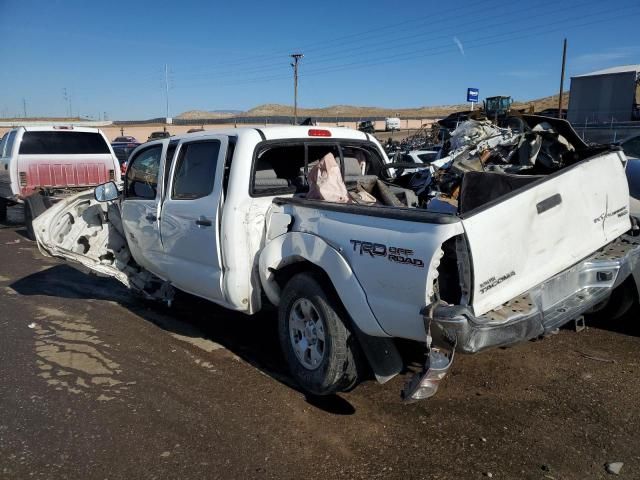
pixel 542 309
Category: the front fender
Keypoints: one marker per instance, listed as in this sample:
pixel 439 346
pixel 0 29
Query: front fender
pixel 295 247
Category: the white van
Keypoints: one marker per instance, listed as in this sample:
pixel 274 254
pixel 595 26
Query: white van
pixel 391 124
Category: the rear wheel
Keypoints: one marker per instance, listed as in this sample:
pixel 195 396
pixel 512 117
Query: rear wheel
pixel 319 347
pixel 3 209
pixel 620 301
pixel 34 206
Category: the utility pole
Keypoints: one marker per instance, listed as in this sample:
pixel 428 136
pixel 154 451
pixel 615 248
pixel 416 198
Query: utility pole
pixel 24 107
pixel 564 60
pixel 296 58
pixel 65 97
pixel 166 85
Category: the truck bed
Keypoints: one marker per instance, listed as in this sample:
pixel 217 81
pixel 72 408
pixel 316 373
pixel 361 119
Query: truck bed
pixel 493 253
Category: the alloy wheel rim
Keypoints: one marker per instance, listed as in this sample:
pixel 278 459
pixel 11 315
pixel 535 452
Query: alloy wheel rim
pixel 307 333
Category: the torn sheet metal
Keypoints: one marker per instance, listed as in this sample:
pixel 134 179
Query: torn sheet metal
pixel 81 229
pixel 479 147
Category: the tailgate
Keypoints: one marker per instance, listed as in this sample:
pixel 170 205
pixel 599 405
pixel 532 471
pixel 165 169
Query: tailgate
pixel 531 236
pixel 65 170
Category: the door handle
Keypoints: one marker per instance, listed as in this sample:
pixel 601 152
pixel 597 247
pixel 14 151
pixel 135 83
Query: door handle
pixel 203 222
pixel 151 217
pixel 549 203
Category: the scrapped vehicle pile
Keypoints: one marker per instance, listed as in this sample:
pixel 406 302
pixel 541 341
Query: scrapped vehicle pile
pixel 505 158
pixel 482 162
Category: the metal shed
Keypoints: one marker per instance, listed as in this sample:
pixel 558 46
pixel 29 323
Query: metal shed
pixel 604 96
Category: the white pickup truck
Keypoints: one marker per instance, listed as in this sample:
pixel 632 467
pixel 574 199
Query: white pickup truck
pixel 41 164
pixel 224 215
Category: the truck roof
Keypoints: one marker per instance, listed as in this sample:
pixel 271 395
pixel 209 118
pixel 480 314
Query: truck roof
pixel 283 132
pixel 60 128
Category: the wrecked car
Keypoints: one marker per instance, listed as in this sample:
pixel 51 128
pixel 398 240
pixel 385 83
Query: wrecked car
pixel 504 238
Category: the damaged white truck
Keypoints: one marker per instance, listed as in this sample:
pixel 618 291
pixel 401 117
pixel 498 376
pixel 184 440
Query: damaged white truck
pixel 508 236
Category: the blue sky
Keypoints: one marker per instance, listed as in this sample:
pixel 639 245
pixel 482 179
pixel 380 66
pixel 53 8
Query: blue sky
pixel 110 55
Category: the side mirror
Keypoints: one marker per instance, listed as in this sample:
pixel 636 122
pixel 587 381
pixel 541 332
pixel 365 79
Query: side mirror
pixel 106 192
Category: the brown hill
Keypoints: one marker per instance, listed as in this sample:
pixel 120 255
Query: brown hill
pixel 545 102
pixel 271 109
pixel 197 114
pixel 352 111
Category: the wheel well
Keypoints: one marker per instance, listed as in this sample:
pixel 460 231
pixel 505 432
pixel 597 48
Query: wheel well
pixel 384 366
pixel 283 275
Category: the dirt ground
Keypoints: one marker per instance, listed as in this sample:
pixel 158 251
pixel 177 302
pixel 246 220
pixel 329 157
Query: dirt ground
pixel 97 383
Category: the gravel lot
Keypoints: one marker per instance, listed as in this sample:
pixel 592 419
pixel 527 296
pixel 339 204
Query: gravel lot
pixel 97 383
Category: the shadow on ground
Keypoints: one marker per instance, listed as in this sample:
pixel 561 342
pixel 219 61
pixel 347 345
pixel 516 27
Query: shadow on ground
pixel 628 324
pixel 252 338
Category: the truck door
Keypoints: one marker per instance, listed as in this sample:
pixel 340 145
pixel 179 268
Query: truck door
pixel 190 214
pixel 140 208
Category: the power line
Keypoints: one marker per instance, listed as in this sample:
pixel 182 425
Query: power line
pixel 419 54
pixel 365 61
pixel 565 23
pixel 427 37
pixel 276 55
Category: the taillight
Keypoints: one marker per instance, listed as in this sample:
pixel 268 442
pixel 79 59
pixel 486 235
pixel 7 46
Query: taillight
pixel 316 132
pixel 111 175
pixel 23 179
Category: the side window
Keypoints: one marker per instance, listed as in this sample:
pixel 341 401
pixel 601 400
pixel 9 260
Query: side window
pixel 142 174
pixel 195 170
pixel 279 169
pixel 7 146
pixel 3 142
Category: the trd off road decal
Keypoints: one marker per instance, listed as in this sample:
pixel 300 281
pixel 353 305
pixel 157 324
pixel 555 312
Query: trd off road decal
pixel 393 254
pixel 493 281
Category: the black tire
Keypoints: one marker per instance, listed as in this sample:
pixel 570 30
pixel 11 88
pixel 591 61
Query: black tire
pixel 34 206
pixel 3 210
pixel 339 367
pixel 620 301
pixel 516 124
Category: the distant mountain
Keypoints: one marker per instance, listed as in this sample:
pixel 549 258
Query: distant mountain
pixel 196 114
pixel 274 109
